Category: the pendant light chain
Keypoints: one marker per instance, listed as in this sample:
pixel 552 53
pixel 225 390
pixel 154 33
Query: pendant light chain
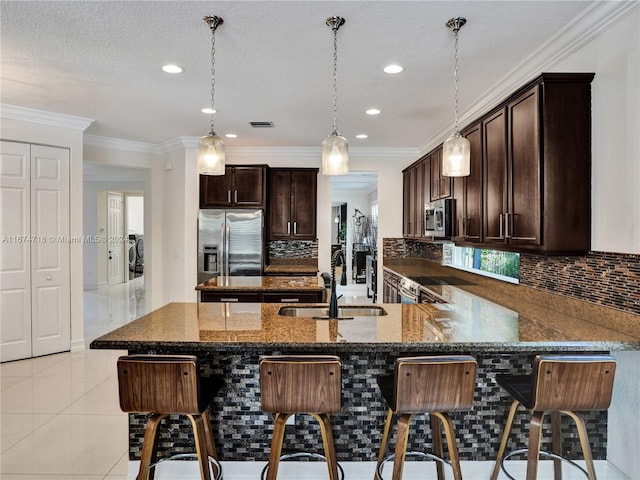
pixel 213 76
pixel 455 81
pixel 335 80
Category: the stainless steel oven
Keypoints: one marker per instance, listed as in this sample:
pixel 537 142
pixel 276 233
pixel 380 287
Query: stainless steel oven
pixel 409 291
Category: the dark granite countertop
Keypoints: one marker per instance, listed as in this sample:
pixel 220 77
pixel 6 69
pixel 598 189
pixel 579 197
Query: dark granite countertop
pixel 201 327
pixel 263 283
pixel 474 296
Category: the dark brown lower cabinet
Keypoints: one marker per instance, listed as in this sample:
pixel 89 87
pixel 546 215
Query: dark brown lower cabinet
pixel 244 296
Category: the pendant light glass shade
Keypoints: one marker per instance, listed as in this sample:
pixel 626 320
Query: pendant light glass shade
pixel 335 155
pixel 211 156
pixel 456 156
pixel 335 148
pixel 456 151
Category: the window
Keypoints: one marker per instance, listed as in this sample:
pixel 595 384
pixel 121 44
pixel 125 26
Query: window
pixel 490 263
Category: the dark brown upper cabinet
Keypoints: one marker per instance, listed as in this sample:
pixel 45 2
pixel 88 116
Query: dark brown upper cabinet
pixel 530 184
pixel 467 192
pixel 440 185
pixel 292 203
pixel 537 167
pixel 242 186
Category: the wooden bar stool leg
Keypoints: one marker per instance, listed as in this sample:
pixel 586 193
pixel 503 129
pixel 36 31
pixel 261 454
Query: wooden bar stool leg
pixel 401 445
pixel 200 439
pixel 438 449
pixel 535 435
pixel 327 441
pixel 211 444
pixel 385 440
pixel 584 443
pixel 276 445
pixel 149 447
pixel 451 443
pixel 505 438
pixel 556 435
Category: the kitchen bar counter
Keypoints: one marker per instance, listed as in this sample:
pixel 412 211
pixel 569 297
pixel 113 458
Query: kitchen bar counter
pixel 410 328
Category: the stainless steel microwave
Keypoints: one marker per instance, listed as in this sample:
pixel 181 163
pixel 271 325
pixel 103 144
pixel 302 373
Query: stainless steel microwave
pixel 438 218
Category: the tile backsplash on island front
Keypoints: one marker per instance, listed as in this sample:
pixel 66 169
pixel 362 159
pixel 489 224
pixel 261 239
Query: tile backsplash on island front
pixel 607 279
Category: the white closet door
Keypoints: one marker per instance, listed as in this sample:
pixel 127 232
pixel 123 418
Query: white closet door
pixel 15 257
pixel 50 268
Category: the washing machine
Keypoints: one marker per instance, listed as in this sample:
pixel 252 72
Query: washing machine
pixel 132 255
pixel 139 267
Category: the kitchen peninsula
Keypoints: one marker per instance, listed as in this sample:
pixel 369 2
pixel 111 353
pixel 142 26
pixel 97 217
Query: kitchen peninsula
pixel 230 337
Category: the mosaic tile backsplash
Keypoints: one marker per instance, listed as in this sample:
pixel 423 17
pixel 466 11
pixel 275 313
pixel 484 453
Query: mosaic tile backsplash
pixel 242 431
pixel 293 249
pixel 607 279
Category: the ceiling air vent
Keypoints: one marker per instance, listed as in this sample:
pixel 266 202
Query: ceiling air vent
pixel 261 124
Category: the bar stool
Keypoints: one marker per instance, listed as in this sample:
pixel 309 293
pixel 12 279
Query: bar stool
pixel 309 384
pixel 436 385
pixel 164 385
pixel 560 384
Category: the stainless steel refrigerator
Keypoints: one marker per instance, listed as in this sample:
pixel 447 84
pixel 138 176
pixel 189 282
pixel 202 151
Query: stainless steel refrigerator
pixel 229 243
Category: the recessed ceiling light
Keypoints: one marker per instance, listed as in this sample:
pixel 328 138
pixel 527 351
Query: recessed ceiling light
pixel 231 135
pixel 208 111
pixel 373 111
pixel 170 68
pixel 393 68
pixel 362 135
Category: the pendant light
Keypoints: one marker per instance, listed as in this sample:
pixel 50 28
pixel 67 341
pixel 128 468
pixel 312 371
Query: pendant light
pixel 211 156
pixel 335 149
pixel 456 156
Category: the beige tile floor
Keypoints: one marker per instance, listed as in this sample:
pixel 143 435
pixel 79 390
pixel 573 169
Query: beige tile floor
pixel 60 418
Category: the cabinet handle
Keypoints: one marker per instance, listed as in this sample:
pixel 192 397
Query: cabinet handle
pixel 506 225
pixel 228 196
pixel 288 228
pixel 501 222
pixel 295 228
pixel 228 299
pixel 235 196
pixel 289 300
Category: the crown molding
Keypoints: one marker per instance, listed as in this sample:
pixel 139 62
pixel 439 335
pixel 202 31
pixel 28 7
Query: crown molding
pixel 596 19
pixel 121 144
pixel 47 118
pixel 316 152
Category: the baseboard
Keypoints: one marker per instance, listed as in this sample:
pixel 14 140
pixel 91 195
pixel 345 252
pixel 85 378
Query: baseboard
pixel 78 345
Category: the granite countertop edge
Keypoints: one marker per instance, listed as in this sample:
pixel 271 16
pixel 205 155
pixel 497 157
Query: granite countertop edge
pixel 457 347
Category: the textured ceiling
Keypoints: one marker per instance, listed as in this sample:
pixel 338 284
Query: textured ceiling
pixel 102 59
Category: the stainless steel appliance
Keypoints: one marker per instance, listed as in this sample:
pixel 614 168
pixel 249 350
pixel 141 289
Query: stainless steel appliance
pixel 438 218
pixel 409 291
pixel 229 243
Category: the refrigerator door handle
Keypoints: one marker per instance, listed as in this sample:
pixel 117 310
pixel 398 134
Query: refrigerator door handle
pixel 226 248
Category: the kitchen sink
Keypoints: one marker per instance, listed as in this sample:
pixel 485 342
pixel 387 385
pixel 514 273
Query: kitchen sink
pixel 343 311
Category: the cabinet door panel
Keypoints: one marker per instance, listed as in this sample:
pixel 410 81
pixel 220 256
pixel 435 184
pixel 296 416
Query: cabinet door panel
pixel 249 187
pixel 473 188
pixel 524 189
pixel 495 158
pixel 303 207
pixel 215 190
pixel 279 204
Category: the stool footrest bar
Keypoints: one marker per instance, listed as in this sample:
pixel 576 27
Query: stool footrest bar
pixel 391 456
pixel 542 454
pixel 289 456
pixel 178 456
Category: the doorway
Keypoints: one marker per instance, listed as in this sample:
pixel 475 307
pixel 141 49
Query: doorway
pixel 354 202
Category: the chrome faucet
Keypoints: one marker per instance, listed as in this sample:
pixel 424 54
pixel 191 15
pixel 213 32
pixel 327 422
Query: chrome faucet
pixel 333 302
